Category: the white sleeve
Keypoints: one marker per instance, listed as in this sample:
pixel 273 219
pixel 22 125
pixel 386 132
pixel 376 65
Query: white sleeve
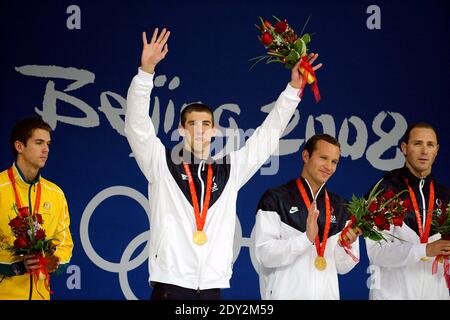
pixel 139 130
pixel 344 262
pixel 272 251
pixel 265 140
pixel 394 254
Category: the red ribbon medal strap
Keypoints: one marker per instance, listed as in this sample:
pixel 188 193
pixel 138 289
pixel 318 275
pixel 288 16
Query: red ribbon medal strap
pixel 37 201
pixel 42 261
pixel 199 219
pixel 320 247
pixel 304 64
pixel 422 233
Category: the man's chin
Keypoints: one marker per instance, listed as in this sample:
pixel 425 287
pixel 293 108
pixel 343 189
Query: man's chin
pixel 41 164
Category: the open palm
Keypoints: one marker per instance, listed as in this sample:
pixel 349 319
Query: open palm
pixel 155 51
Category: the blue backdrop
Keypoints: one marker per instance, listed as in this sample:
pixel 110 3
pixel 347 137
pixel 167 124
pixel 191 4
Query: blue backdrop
pixel 73 65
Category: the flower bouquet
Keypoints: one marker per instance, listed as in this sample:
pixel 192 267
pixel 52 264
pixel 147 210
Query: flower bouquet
pixel 375 215
pixel 441 223
pixel 31 239
pixel 285 46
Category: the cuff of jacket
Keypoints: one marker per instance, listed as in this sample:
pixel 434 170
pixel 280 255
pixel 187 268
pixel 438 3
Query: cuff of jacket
pixel 419 250
pixel 145 76
pixel 13 269
pixel 292 93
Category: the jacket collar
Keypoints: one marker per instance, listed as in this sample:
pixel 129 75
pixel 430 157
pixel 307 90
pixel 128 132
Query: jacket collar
pixel 189 158
pixel 412 179
pixel 20 178
pixel 309 190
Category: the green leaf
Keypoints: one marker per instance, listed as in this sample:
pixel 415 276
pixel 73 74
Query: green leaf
pixel 375 236
pixel 39 245
pixel 47 245
pixel 298 45
pixel 293 57
pixel 306 38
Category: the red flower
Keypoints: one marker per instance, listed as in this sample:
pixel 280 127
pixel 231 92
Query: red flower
pixel 23 212
pixel 266 25
pixel 379 221
pixel 389 194
pixel 39 218
pixel 398 221
pixel 40 234
pixel 266 39
pixel 20 242
pixel 281 27
pixel 16 223
pixel 407 204
pixel 441 220
pixel 373 207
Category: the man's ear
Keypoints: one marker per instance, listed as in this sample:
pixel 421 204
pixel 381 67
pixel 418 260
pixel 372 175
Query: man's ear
pixel 19 146
pixel 181 130
pixel 305 156
pixel 403 146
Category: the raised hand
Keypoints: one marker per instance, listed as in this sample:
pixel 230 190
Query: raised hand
pixel 155 51
pixel 296 77
pixel 312 228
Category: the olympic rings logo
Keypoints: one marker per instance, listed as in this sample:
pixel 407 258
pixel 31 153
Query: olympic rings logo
pixel 127 264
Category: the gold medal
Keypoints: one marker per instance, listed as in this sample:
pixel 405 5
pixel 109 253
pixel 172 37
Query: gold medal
pixel 320 263
pixel 424 259
pixel 441 259
pixel 199 237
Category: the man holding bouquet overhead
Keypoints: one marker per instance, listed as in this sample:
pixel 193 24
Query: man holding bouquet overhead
pixel 193 195
pixel 406 267
pixel 298 232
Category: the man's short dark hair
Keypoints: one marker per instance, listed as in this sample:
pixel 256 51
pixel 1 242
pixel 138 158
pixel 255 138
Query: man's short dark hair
pixel 23 130
pixel 415 125
pixel 197 107
pixel 310 145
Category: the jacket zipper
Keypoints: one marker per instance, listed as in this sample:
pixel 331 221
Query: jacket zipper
pixel 424 217
pixel 424 206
